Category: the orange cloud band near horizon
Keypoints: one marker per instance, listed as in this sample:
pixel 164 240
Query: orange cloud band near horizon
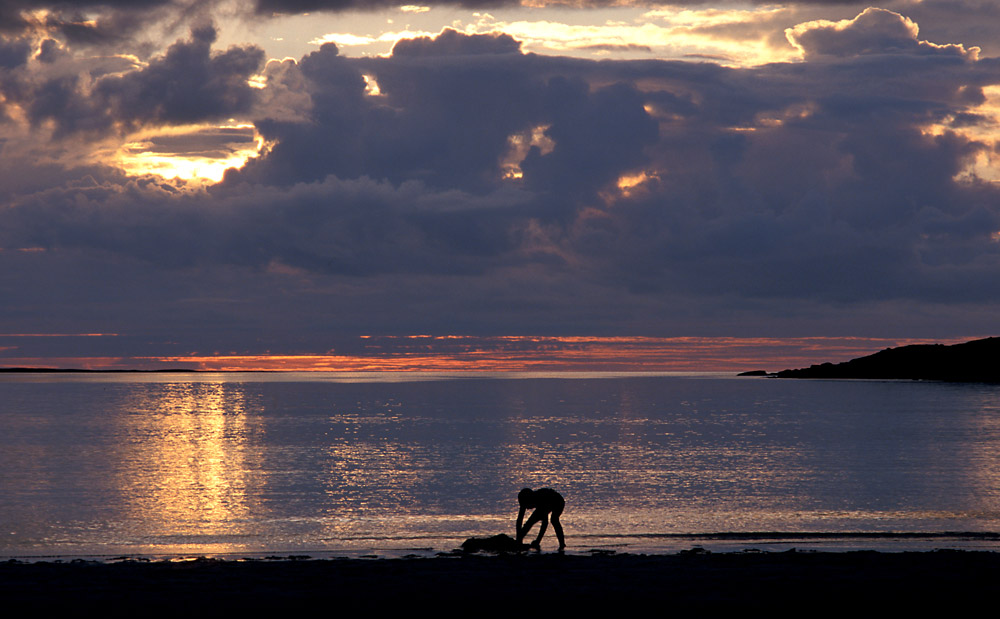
pixel 464 353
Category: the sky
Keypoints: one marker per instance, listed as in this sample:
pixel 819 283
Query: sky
pixel 505 185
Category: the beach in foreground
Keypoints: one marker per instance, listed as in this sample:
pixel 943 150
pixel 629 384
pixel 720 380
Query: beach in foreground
pixel 780 583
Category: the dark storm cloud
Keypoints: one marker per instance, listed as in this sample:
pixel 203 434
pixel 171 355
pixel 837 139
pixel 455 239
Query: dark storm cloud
pixel 14 53
pixel 832 193
pixel 85 22
pixel 446 117
pixel 187 84
pixel 443 120
pixel 353 227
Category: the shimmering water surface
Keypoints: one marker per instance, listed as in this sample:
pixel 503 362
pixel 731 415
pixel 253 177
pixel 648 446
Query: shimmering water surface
pixel 231 464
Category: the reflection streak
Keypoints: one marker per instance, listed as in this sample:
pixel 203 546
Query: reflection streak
pixel 185 471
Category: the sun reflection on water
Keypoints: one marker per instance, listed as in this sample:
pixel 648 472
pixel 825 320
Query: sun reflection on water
pixel 186 470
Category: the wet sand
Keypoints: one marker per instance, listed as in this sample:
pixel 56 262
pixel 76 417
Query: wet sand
pixel 785 584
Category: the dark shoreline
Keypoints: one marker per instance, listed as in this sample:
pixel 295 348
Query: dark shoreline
pixel 968 362
pixel 782 583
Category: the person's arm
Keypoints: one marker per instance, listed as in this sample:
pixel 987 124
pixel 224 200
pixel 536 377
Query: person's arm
pixel 520 521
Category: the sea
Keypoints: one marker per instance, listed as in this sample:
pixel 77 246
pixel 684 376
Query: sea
pixel 245 465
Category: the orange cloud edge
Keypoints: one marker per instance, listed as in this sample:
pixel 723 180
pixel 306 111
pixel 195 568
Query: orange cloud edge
pixel 463 353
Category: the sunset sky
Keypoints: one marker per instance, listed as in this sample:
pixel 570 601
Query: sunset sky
pixel 339 184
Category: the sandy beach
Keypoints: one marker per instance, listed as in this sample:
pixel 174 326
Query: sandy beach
pixel 784 583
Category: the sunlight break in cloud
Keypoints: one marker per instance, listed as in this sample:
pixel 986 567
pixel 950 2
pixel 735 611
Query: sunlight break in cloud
pixel 682 34
pixel 386 39
pixel 666 33
pixel 982 124
pixel 190 153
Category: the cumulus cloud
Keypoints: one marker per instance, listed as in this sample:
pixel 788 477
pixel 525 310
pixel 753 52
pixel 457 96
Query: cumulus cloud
pixel 451 43
pixel 805 170
pixel 187 84
pixel 874 31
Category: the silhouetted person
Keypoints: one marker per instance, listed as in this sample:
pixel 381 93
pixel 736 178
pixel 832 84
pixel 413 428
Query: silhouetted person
pixel 546 502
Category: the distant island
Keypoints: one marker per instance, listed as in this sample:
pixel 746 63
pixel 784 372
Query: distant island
pixel 975 361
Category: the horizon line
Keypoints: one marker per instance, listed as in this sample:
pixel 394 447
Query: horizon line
pixel 470 353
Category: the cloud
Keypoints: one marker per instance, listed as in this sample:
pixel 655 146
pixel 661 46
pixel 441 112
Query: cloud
pixel 487 190
pixel 14 53
pixel 187 84
pixel 305 6
pixel 88 22
pixel 451 43
pixel 874 31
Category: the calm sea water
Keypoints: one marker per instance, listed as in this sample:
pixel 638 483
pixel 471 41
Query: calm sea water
pixel 244 464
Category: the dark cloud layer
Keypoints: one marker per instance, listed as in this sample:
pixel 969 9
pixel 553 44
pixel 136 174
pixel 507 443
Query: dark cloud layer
pixel 85 22
pixel 188 84
pixel 649 196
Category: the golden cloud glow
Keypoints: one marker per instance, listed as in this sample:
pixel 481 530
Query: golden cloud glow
pixel 705 18
pixel 346 39
pixel 985 129
pixel 628 182
pixel 519 145
pixel 257 81
pixel 738 36
pixel 634 40
pixel 527 353
pixel 371 86
pixel 198 153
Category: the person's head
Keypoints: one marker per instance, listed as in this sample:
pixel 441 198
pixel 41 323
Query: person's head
pixel 526 497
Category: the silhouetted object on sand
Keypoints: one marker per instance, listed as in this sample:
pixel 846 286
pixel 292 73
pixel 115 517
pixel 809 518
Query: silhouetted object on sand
pixel 547 503
pixel 974 361
pixel 497 543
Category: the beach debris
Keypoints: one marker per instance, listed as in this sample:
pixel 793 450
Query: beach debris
pixel 497 543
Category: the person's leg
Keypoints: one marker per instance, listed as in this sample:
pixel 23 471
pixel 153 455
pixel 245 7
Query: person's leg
pixel 558 529
pixel 541 532
pixel 535 517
